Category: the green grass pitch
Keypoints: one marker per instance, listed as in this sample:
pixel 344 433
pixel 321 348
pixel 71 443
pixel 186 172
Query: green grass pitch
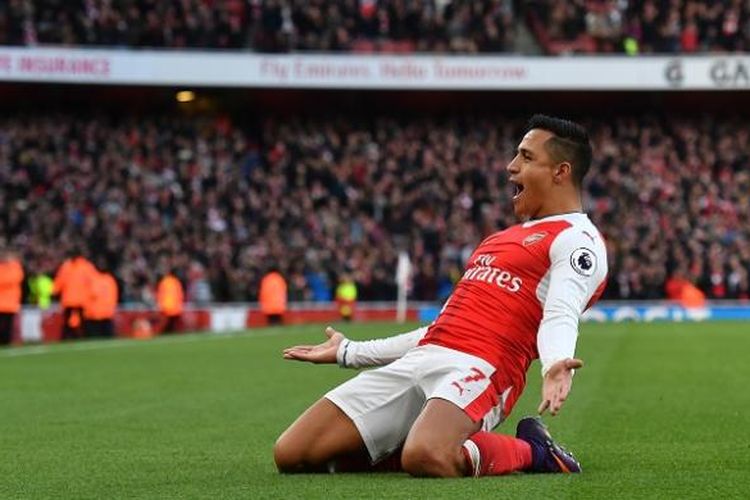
pixel 659 411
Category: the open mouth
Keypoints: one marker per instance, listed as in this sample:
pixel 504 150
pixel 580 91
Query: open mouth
pixel 517 189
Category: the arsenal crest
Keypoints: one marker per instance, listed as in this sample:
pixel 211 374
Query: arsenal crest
pixel 533 238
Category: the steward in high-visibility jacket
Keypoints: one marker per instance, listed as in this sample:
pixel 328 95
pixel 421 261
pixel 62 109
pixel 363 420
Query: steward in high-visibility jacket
pixel 101 305
pixel 346 297
pixel 11 279
pixel 73 284
pixel 170 297
pixel 41 289
pixel 273 297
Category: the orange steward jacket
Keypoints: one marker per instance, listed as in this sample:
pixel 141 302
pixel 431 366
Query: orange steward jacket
pixel 11 278
pixel 73 281
pixel 102 301
pixel 272 295
pixel 170 296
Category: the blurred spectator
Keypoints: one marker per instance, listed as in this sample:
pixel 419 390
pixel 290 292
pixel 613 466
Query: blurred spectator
pixel 41 289
pixel 683 291
pixel 170 298
pixel 198 289
pixel 273 296
pixel 11 280
pixel 73 283
pixel 346 296
pixel 320 287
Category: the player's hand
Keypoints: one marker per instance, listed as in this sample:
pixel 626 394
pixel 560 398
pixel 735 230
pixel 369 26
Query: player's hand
pixel 321 353
pixel 556 385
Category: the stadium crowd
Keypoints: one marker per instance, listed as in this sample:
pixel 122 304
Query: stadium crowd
pixel 461 26
pixel 633 26
pixel 221 204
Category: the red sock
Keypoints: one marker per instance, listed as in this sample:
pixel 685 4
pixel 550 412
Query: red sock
pixel 490 454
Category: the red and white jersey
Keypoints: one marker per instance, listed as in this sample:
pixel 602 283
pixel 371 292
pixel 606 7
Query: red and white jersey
pixel 522 294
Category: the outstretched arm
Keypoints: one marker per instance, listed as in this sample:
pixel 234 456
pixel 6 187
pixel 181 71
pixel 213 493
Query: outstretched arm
pixel 353 354
pixel 578 266
pixel 556 339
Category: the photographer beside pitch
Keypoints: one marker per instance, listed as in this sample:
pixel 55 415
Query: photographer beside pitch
pixel 440 389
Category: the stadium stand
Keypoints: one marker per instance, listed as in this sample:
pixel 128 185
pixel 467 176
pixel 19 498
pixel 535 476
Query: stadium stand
pixel 323 196
pixel 393 26
pixel 647 26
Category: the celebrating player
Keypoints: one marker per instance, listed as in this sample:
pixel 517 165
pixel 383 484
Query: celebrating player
pixel 440 389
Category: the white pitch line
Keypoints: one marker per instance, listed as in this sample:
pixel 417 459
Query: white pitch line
pixel 14 352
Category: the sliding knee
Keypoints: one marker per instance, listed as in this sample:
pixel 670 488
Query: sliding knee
pixel 287 456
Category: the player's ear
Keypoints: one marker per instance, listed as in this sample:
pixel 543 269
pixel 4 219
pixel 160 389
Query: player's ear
pixel 563 171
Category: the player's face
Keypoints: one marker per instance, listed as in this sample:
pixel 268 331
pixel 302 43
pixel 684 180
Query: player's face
pixel 531 174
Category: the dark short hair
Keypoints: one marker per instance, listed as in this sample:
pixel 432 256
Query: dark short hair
pixel 569 144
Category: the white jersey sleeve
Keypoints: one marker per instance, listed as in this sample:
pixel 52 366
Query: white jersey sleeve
pixel 578 267
pixel 378 352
